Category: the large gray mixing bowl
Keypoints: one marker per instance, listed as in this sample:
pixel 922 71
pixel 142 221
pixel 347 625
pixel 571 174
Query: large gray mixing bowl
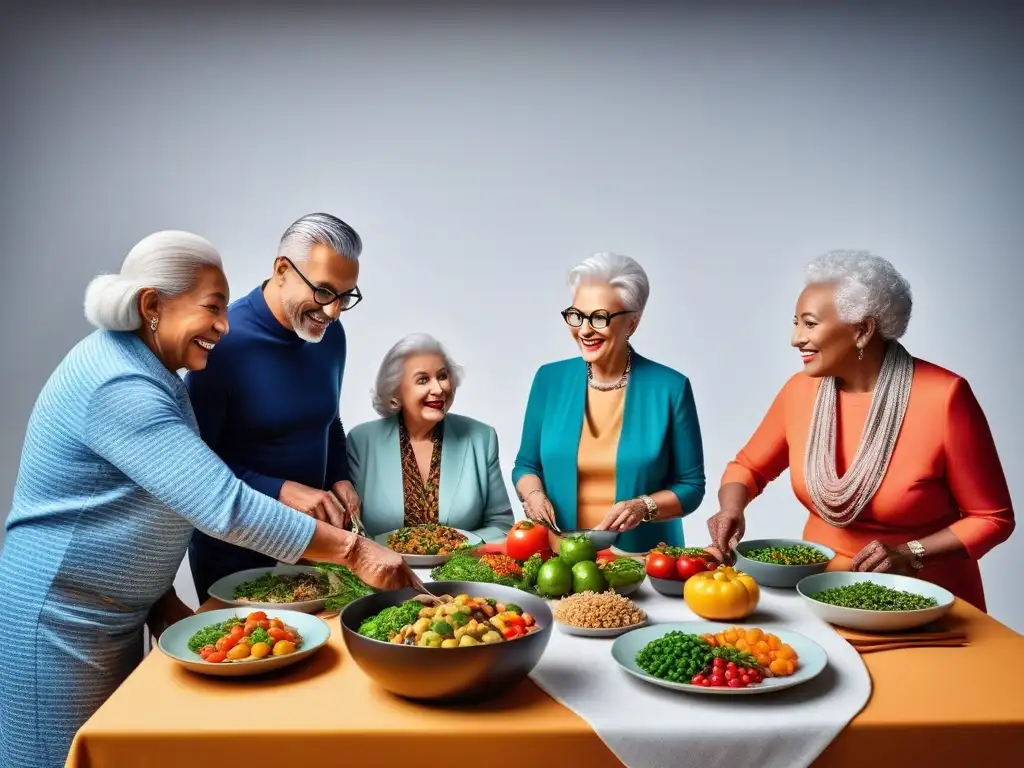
pixel 447 674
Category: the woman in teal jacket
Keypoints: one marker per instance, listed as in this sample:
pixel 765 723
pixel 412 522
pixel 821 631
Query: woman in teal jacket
pixel 611 440
pixel 419 463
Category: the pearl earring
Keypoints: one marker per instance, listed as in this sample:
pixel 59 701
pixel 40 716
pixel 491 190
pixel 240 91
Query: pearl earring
pixel 860 353
pixel 152 324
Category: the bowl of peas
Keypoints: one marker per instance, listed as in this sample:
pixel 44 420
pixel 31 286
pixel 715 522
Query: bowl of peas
pixel 781 563
pixel 874 602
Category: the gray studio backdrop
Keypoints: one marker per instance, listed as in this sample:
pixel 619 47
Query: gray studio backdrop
pixel 480 154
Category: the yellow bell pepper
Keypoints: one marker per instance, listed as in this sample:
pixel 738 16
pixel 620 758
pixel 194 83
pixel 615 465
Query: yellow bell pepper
pixel 723 594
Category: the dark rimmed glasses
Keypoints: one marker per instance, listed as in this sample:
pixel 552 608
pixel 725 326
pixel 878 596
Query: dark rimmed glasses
pixel 598 319
pixel 325 296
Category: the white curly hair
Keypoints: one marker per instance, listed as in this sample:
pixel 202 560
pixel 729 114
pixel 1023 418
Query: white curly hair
pixel 392 368
pixel 866 286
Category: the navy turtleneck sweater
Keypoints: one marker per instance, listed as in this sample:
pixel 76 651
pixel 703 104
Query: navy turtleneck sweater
pixel 268 402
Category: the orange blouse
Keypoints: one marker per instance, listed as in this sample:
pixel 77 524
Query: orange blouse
pixel 944 472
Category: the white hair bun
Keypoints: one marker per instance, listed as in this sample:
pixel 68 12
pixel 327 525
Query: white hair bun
pixel 110 303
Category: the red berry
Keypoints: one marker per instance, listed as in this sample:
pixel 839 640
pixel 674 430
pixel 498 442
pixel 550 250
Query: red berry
pixel 745 679
pixel 717 680
pixel 706 682
pixel 697 679
pixel 735 683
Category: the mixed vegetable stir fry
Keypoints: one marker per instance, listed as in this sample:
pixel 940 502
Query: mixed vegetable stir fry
pixel 427 539
pixel 456 623
pixel 250 639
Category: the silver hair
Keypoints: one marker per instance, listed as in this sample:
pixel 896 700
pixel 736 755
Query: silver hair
pixel 392 368
pixel 322 228
pixel 165 261
pixel 620 272
pixel 866 286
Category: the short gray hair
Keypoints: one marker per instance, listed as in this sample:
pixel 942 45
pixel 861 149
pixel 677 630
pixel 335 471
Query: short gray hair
pixel 392 368
pixel 620 272
pixel 866 286
pixel 322 228
pixel 165 261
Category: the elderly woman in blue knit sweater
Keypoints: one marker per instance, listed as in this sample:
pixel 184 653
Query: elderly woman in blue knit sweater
pixel 113 478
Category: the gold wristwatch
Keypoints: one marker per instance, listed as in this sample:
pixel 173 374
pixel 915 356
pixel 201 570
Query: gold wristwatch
pixel 652 509
pixel 917 550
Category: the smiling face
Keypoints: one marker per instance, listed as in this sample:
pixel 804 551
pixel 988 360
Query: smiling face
pixel 827 345
pixel 324 269
pixel 426 391
pixel 599 345
pixel 189 325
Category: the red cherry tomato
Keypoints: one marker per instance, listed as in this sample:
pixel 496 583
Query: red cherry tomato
pixel 661 566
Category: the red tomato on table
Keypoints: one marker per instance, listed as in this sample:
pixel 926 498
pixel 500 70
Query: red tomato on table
pixel 690 566
pixel 661 566
pixel 526 538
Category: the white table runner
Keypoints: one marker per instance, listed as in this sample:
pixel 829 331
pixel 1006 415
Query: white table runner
pixel 650 727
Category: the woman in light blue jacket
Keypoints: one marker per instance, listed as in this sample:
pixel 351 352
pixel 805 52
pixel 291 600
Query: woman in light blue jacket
pixel 419 463
pixel 113 480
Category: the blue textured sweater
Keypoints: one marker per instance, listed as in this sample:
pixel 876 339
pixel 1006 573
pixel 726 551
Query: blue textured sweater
pixel 267 402
pixel 113 478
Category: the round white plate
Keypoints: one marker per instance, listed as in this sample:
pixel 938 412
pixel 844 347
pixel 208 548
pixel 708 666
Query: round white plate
pixel 568 629
pixel 429 561
pixel 811 658
pixel 315 633
pixel 224 589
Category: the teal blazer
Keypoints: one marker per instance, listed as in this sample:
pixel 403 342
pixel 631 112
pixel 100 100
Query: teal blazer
pixel 472 495
pixel 660 447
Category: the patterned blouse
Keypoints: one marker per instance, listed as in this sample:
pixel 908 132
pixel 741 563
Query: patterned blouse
pixel 421 500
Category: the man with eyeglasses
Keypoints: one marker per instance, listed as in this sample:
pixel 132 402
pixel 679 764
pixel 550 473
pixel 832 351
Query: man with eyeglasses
pixel 268 401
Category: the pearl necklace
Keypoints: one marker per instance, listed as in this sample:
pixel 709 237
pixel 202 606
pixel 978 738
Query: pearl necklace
pixel 840 500
pixel 623 380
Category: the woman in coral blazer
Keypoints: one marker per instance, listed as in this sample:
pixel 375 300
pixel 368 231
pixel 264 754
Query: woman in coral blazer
pixel 891 455
pixel 611 439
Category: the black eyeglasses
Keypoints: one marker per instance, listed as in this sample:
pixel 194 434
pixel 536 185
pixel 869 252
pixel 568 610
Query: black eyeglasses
pixel 598 319
pixel 325 296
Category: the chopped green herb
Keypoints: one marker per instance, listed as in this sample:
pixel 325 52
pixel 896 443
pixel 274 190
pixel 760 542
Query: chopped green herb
pixel 868 596
pixel 798 554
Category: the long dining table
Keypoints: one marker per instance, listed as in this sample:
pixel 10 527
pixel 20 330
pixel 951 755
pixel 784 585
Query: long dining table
pixel 930 706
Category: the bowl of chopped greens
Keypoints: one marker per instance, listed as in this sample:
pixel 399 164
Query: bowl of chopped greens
pixel 308 589
pixel 874 602
pixel 781 563
pixel 483 640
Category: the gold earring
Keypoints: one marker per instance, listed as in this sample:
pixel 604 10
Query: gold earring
pixel 153 323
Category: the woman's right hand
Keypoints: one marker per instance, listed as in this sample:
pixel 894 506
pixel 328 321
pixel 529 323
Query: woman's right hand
pixel 726 527
pixel 382 568
pixel 538 507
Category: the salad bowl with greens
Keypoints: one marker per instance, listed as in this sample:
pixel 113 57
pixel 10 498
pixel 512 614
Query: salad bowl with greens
pixel 303 588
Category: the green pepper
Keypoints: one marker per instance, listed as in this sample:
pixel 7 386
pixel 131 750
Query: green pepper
pixel 443 628
pixel 458 619
pixel 513 608
pixel 491 601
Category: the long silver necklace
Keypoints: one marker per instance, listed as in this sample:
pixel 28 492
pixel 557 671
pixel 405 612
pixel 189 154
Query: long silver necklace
pixel 840 500
pixel 623 380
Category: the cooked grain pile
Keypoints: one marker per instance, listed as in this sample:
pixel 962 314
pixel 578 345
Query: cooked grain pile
pixel 592 610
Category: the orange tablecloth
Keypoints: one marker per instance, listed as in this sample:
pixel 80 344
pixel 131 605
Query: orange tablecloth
pixel 929 706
